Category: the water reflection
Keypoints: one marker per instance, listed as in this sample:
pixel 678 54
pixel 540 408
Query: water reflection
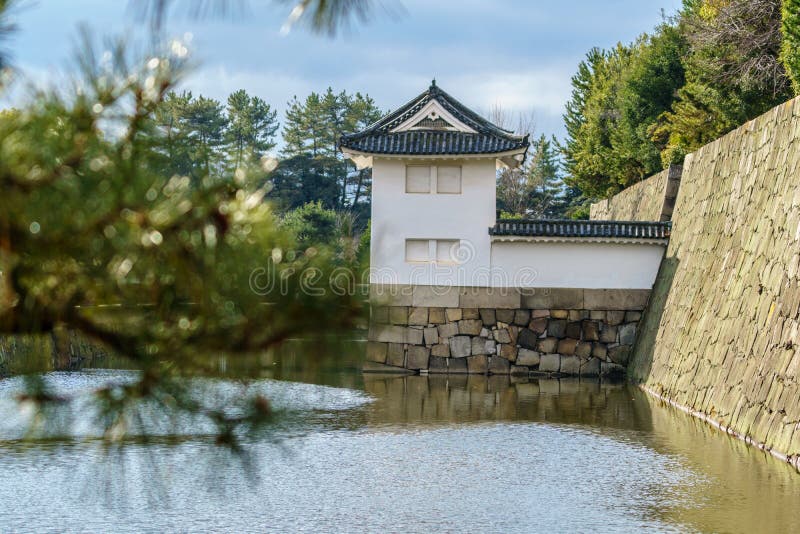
pixel 355 452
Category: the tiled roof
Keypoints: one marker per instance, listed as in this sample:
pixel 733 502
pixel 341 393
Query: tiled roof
pixel 378 138
pixel 572 228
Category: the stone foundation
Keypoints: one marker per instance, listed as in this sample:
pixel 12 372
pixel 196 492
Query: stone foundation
pixel 561 332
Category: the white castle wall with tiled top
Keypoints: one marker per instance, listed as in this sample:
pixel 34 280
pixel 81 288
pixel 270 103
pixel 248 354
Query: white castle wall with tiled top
pixel 422 235
pixel 398 216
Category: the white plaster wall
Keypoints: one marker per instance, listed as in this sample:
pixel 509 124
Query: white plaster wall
pixel 575 265
pixel 397 216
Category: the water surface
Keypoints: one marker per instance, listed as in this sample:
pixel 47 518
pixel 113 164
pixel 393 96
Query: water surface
pixel 354 453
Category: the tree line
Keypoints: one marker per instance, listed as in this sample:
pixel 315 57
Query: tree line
pixel 638 107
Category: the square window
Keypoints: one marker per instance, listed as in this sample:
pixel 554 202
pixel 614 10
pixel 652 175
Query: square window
pixel 418 179
pixel 447 250
pixel 448 180
pixel 417 250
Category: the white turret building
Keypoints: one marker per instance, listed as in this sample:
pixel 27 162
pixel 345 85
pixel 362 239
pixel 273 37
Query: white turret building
pixel 457 289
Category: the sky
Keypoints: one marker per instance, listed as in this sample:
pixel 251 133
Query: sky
pixel 518 54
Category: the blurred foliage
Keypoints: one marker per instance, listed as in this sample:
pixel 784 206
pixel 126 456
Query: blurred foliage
pixel 637 108
pixel 118 222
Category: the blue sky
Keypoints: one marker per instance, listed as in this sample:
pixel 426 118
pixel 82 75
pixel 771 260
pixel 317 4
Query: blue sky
pixel 516 53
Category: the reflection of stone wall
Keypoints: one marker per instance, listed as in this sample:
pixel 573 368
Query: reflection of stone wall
pixel 722 334
pixel 586 332
pixel 445 399
pixel 652 199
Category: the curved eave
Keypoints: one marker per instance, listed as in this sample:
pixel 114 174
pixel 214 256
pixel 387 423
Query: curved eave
pixel 506 158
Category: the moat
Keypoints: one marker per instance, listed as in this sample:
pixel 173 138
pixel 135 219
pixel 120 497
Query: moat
pixel 353 452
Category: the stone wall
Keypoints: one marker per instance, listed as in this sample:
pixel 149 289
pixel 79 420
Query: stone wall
pixel 586 332
pixel 721 338
pixel 652 199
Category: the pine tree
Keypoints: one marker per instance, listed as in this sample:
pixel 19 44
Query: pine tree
pixel 252 125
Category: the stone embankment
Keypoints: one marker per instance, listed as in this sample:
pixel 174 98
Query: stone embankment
pixel 721 336
pixel 579 332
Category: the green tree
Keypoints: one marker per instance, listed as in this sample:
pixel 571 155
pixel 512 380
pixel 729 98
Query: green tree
pixel 89 219
pixel 790 46
pixel 252 125
pixel 205 130
pixel 733 72
pixel 617 98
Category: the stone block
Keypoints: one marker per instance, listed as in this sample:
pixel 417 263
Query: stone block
pixel 570 365
pixel 540 314
pixel 436 316
pixel 519 370
pixel 591 331
pixel 509 352
pixel 538 298
pixel 633 316
pixel 470 327
pixel 615 299
pixel 608 334
pixel 442 350
pixel 414 337
pixel 470 313
pixel 489 297
pixel 505 316
pixel 417 357
pixel 559 314
pixel 376 351
pixel 619 354
pixel 538 325
pixel 566 298
pixel 600 351
pixel 431 335
pixel 435 296
pixel 627 334
pixel 597 315
pixel 522 317
pixel 527 339
pixel 502 336
pixel 418 316
pixel 584 349
pixel 557 328
pixel 398 315
pixel 477 364
pixel 528 357
pixel 437 364
pixel 453 314
pixel 391 294
pixel 460 346
pixel 577 315
pixel 548 344
pixel 375 367
pixel 488 316
pixel 396 355
pixel 573 330
pixel 387 333
pixel 379 314
pixel 550 363
pixel 491 346
pixel 457 365
pixel 479 346
pixel 514 331
pixel 590 367
pixel 447 330
pixel 567 346
pixel 499 366
pixel 615 317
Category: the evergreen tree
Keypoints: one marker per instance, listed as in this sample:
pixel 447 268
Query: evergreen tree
pixel 252 125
